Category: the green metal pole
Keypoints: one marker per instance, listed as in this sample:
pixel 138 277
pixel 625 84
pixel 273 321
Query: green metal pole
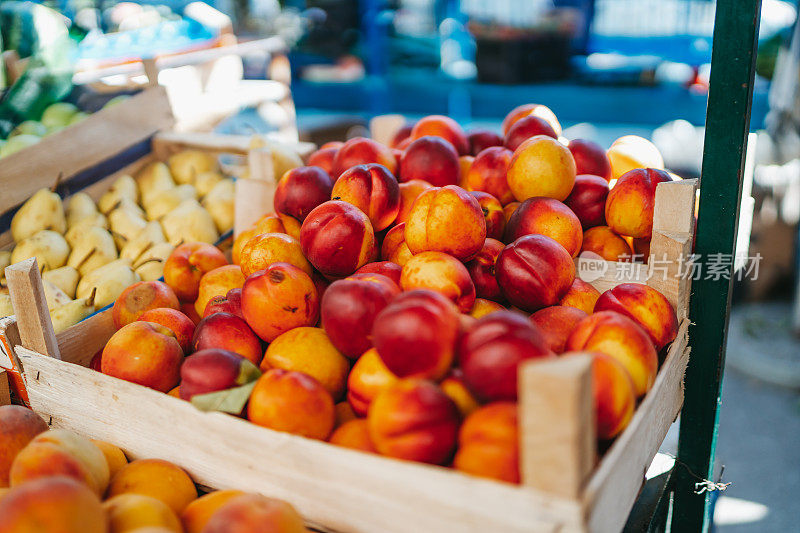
pixel 727 125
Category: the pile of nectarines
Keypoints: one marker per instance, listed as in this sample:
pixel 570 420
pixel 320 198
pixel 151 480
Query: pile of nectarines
pixel 389 301
pixel 59 481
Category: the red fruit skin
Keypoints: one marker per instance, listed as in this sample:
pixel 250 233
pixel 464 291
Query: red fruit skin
pixel 444 127
pixel 209 370
pixel 373 189
pixel 230 303
pixel 385 268
pixel 228 332
pixel 491 351
pixel 481 269
pixel 431 159
pixel 302 189
pixel 588 200
pixel 590 158
pixel 323 158
pixel 481 139
pixel 646 306
pixel 525 128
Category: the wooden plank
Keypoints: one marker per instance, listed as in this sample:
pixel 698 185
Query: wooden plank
pixel 9 337
pixel 557 424
pixel 383 128
pixel 254 196
pixel 335 489
pixel 611 491
pixel 5 388
pixel 100 136
pixel 80 342
pixel 604 275
pixel 30 306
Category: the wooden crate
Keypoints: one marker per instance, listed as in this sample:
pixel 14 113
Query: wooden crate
pixel 564 485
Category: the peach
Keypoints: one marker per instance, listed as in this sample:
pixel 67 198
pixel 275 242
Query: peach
pixel 212 370
pixel 645 306
pixel 338 239
pixel 216 283
pixel 394 248
pixel 590 158
pixel 581 295
pixel 309 350
pixel 546 216
pixel 230 303
pixel 623 339
pixel 630 204
pixel 368 377
pixel 446 219
pixel 432 159
pixel 414 420
pixel 128 513
pixel 332 144
pixel 534 272
pixel 464 164
pixel 481 269
pixel 541 166
pixel 401 135
pixel 240 241
pixel 278 299
pixel 492 350
pixel 537 110
pixel 180 324
pixel 373 189
pixel 525 128
pixel 18 426
pixel 140 297
pixel 630 152
pixel 385 268
pixel 444 127
pixel 269 223
pixel 115 457
pixel 323 158
pixel 641 249
pixel 187 308
pixel 409 191
pixel 509 210
pixel 353 434
pixel 442 273
pixel 254 513
pixel 483 307
pixel 360 151
pixel 145 353
pixel 344 413
pixel 348 311
pixel 415 335
pixel 492 214
pixel 267 248
pixel 197 514
pixel 556 323
pixel 480 139
pixel 601 240
pixel 176 392
pixel 293 402
pixel 588 200
pixel 488 173
pixel 187 264
pixel 55 504
pixel 302 189
pixel 488 443
pixel 291 226
pixel 158 479
pixel 454 386
pixel 59 452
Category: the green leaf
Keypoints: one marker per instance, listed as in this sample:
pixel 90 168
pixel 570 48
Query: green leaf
pixel 228 401
pixel 247 372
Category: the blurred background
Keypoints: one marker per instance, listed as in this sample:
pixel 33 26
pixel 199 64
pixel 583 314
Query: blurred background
pixel 318 70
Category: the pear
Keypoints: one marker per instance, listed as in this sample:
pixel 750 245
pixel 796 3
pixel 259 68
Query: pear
pixel 17 143
pixel 29 127
pixel 126 221
pixel 93 249
pixel 5 260
pixel 186 165
pixel 109 280
pixel 79 206
pixel 58 115
pixel 150 266
pixel 162 202
pixel 124 187
pixel 54 295
pixel 6 309
pixel 48 247
pixel 205 181
pixel 148 236
pixel 69 314
pixel 283 157
pixel 42 211
pixel 154 178
pixel 74 233
pixel 78 117
pixel 219 202
pixel 65 278
pixel 189 222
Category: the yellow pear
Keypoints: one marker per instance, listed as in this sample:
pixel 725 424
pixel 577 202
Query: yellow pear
pixel 205 182
pixel 94 248
pixel 123 187
pixel 5 260
pixel 150 266
pixel 42 211
pixel 109 280
pixel 48 247
pixel 54 295
pixel 283 157
pixel 153 178
pixel 162 202
pixel 74 233
pixel 6 309
pixel 185 166
pixel 219 203
pixel 189 222
pixel 148 236
pixel 65 278
pixel 125 221
pixel 69 314
pixel 79 206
